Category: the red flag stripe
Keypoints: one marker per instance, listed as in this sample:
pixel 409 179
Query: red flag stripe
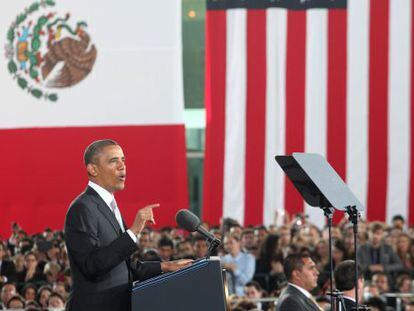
pixel 378 106
pixel 255 116
pixel 295 98
pixel 215 94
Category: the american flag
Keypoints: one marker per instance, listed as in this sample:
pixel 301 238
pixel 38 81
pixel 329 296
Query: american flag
pixel 332 77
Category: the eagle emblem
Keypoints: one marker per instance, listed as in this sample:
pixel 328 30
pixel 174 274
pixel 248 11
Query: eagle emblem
pixel 46 51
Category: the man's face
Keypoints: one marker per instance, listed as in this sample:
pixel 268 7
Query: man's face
pixel 7 292
pixel 248 240
pixel 185 249
pixel 144 241
pixel 307 277
pixel 200 248
pixel 109 170
pixel 377 237
pixel 231 245
pixel 381 282
pixel 284 237
pixel 165 252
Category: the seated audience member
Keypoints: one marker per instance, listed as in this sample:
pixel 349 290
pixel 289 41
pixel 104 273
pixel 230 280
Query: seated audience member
pixel 409 306
pixel 145 241
pixel 7 268
pixel 16 302
pixel 285 237
pixel 240 266
pixel 56 301
pixel 381 281
pixel 253 291
pixel 376 304
pixel 60 288
pixel 248 241
pixel 302 275
pixel 185 250
pixel 404 245
pixel 165 248
pixel 51 271
pixel 200 247
pixel 32 305
pixel 345 282
pixel 376 256
pixel 30 272
pixel 8 290
pixel 29 292
pixel 43 295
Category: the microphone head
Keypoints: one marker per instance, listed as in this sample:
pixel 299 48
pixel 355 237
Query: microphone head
pixel 187 220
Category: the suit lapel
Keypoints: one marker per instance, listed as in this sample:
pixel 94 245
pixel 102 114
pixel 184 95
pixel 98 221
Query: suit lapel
pixel 305 299
pixel 104 209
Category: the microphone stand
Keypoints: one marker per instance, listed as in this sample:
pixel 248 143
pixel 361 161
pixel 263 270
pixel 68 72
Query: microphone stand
pixel 213 246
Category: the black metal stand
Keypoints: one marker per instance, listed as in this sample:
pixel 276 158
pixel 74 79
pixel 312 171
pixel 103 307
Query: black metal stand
pixel 339 299
pixel 353 217
pixel 328 212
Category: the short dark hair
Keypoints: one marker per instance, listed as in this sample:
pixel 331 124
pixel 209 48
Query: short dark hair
pixel 165 241
pixel 16 297
pixel 92 151
pixel 254 284
pixel 344 275
pixel 54 294
pixel 294 262
pixel 398 217
pixel 377 226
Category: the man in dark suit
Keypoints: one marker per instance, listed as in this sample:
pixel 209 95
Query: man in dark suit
pixel 302 276
pixel 376 256
pixel 99 243
pixel 344 275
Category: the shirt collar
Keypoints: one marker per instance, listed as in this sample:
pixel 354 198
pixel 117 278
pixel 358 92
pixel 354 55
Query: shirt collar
pixel 302 290
pixel 102 192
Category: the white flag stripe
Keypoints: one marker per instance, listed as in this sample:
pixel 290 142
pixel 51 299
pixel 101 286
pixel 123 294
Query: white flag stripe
pixel 316 92
pixel 357 98
pixel 235 129
pixel 399 108
pixel 275 112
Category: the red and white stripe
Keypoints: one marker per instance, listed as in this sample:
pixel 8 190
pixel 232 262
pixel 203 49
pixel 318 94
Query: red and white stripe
pixel 336 82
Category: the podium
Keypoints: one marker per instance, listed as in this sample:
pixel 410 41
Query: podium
pixel 197 287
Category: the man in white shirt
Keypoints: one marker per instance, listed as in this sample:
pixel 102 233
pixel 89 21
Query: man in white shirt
pixel 302 275
pixel 98 241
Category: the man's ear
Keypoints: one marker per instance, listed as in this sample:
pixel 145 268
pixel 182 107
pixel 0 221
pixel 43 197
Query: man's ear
pixel 295 274
pixel 91 168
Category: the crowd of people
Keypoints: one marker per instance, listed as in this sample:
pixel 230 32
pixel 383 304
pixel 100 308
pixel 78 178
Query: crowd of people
pixel 35 272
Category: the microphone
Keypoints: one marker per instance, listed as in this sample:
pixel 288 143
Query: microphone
pixel 190 222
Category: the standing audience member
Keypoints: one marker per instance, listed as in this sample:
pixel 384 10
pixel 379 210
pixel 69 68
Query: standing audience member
pixel 302 275
pixel 240 266
pixel 345 282
pixel 376 256
pixel 7 291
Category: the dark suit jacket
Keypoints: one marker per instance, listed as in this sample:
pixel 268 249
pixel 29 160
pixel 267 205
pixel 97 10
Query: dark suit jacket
pixel 99 255
pixel 349 305
pixel 8 270
pixel 388 258
pixel 292 299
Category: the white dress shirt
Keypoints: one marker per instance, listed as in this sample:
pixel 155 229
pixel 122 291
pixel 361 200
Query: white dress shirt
pixel 108 198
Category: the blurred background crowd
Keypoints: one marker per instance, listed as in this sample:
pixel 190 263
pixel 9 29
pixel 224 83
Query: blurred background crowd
pixel 35 272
